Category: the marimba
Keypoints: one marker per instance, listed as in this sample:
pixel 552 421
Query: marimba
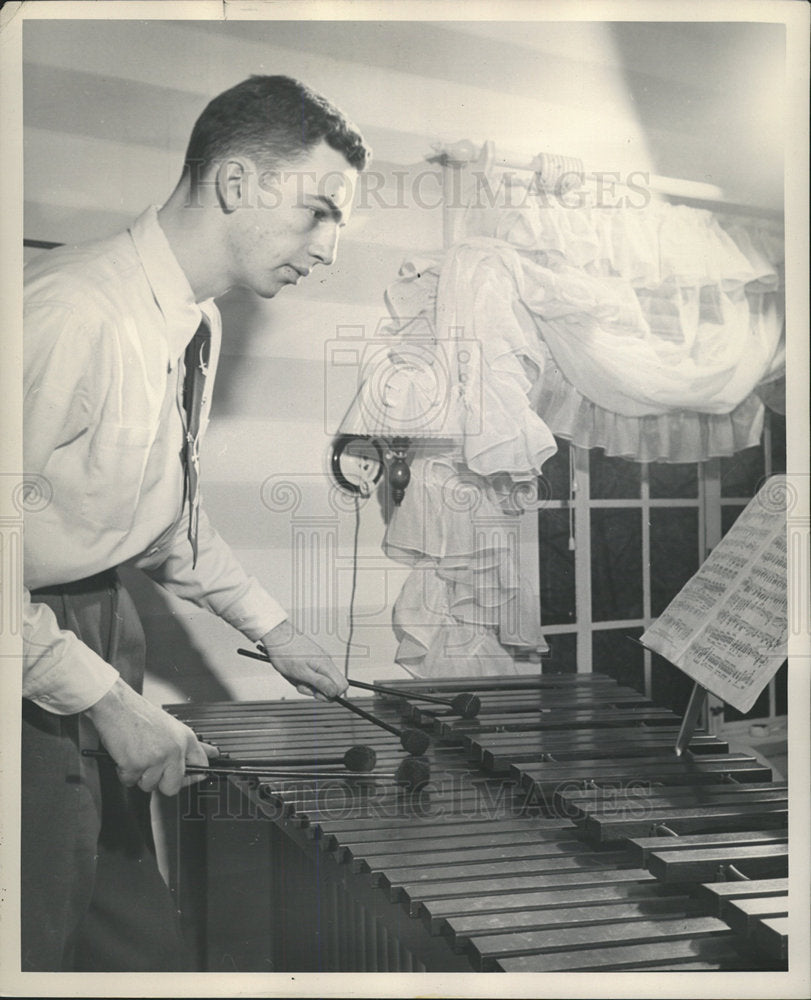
pixel 558 832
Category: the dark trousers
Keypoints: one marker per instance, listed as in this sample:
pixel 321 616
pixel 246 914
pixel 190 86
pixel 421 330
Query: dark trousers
pixel 92 898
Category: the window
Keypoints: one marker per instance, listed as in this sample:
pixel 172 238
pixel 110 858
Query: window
pixel 619 539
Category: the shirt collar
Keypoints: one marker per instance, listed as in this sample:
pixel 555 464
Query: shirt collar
pixel 169 284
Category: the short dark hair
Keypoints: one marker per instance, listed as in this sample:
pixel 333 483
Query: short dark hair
pixel 272 119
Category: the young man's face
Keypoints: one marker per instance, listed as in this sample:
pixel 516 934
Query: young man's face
pixel 290 221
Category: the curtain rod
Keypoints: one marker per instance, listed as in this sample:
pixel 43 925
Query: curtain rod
pixel 552 169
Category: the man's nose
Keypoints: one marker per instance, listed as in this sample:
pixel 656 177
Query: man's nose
pixel 325 246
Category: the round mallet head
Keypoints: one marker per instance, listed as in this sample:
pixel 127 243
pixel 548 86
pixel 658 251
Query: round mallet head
pixel 360 758
pixel 413 774
pixel 414 741
pixel 466 705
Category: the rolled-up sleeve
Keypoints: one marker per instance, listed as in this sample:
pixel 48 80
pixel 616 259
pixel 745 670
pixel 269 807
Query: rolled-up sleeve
pixel 217 582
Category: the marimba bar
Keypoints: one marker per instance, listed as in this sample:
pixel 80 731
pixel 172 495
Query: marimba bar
pixel 559 832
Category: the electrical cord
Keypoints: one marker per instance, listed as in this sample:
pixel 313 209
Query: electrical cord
pixel 348 651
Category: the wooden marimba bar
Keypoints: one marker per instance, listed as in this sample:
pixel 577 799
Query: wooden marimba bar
pixel 558 832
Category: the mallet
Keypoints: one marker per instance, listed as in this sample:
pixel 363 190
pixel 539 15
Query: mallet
pixel 412 773
pixel 466 705
pixel 360 759
pixel 413 741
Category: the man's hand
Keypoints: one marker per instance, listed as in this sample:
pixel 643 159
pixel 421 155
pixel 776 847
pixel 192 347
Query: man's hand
pixel 303 662
pixel 150 747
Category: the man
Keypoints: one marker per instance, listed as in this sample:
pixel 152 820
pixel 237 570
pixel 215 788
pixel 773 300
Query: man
pixel 109 423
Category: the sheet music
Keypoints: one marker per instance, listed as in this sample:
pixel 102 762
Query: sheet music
pixel 728 627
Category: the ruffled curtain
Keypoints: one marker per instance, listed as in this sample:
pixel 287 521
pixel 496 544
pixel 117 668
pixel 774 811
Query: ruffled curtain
pixel 655 334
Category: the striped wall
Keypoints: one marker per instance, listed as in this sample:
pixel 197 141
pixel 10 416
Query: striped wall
pixel 107 109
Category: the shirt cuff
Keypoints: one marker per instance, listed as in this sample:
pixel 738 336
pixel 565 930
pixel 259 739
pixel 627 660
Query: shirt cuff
pixel 73 685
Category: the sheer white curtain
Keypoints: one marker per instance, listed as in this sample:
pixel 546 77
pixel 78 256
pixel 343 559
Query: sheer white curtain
pixel 651 333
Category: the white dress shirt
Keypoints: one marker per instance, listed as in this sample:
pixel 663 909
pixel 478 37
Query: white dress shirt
pixel 106 326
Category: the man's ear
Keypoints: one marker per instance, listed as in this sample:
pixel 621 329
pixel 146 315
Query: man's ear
pixel 232 183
